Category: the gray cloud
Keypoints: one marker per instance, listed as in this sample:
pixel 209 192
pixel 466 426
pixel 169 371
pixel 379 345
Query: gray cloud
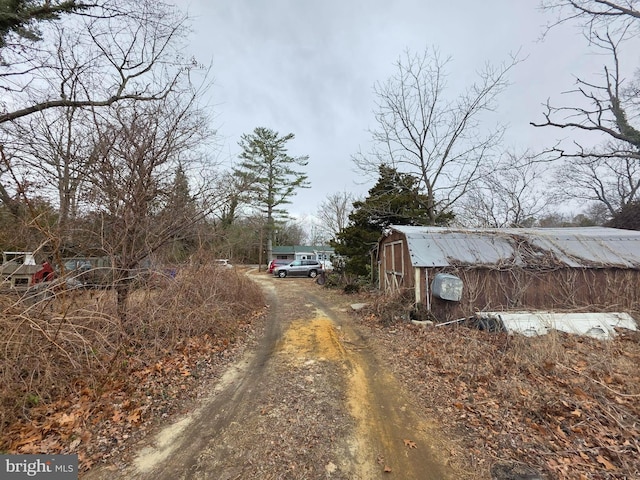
pixel 309 68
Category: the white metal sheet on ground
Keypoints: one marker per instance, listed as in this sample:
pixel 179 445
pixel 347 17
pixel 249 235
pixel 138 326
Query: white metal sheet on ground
pixel 599 325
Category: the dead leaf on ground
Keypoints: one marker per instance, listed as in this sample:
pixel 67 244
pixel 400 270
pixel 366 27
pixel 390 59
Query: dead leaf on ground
pixel 606 463
pixel 35 437
pixel 410 443
pixel 67 419
pixel 135 416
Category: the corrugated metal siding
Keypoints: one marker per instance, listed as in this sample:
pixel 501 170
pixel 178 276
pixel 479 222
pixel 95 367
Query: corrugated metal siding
pixel 601 289
pixel 573 247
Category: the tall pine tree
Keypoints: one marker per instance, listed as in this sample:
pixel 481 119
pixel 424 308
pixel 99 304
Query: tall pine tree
pixel 180 206
pixel 270 175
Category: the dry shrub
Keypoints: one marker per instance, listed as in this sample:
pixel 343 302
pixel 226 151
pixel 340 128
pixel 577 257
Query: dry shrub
pixel 391 308
pixel 46 347
pixel 202 300
pixel 566 404
pixel 60 344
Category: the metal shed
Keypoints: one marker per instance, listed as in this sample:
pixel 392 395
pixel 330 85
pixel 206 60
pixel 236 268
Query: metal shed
pixel 540 268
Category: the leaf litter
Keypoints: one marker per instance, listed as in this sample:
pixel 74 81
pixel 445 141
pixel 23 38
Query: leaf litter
pixel 565 405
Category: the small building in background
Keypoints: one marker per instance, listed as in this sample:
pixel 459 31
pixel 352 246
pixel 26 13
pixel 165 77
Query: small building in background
pixel 17 269
pixel 454 273
pixel 321 253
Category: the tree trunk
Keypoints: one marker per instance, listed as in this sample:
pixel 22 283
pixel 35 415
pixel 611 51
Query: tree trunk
pixel 269 249
pixel 260 250
pixel 122 297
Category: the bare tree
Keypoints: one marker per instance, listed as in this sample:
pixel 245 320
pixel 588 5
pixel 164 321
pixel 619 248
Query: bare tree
pixel 231 190
pixel 593 15
pixel 113 51
pixel 291 232
pixel 138 148
pixel 607 109
pixel 8 196
pixel 507 194
pixel 438 139
pixel 107 52
pixel 52 149
pixel 607 179
pixel 333 212
pixel 604 156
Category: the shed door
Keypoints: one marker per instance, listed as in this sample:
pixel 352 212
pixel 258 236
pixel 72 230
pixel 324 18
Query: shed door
pixel 393 266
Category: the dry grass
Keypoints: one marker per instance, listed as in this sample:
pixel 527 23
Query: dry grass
pixel 72 342
pixel 567 405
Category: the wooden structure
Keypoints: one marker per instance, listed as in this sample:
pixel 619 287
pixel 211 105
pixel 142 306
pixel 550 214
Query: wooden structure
pixel 505 269
pixel 17 269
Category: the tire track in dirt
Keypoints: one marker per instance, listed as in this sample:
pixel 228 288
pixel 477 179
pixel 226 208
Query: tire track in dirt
pixel 173 453
pixel 231 402
pixel 390 438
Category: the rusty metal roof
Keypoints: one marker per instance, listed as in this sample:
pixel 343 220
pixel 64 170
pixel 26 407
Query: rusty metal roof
pixel 595 247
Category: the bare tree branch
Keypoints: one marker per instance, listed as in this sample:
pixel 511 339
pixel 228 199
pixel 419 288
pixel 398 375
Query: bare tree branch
pixel 606 114
pixel 422 132
pixel 605 171
pixel 594 15
pixel 119 50
pixel 333 212
pixel 509 193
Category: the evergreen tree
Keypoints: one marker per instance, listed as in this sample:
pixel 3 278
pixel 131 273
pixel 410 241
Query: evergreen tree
pixel 394 200
pixel 20 16
pixel 269 173
pixel 179 199
pixel 181 206
pixel 628 217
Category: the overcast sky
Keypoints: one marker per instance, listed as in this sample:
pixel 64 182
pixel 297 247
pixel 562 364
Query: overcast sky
pixel 308 68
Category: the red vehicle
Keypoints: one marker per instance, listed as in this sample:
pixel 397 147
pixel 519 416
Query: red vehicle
pixel 45 274
pixel 277 262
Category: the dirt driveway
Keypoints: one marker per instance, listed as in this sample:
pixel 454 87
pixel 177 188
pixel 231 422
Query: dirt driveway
pixel 312 401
